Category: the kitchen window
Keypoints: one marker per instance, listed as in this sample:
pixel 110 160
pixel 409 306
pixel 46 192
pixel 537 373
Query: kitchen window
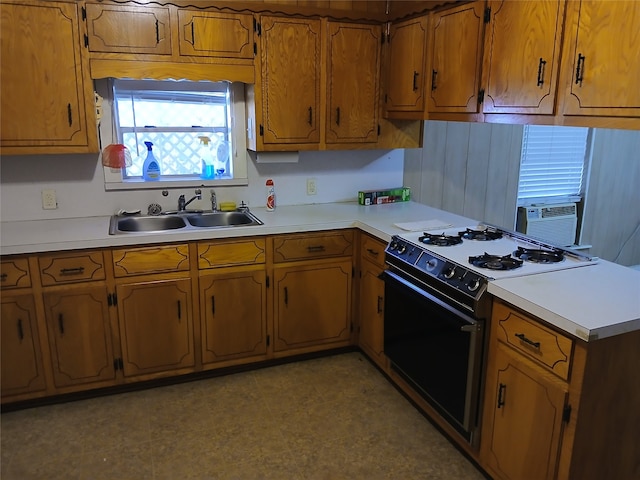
pixel 553 164
pixel 174 115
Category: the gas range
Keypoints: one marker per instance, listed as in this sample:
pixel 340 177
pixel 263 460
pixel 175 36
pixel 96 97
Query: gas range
pixel 459 263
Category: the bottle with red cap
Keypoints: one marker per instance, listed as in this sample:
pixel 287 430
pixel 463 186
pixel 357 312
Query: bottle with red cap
pixel 271 196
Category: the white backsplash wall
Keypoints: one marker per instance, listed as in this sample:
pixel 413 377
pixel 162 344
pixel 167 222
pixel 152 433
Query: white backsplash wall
pixel 79 183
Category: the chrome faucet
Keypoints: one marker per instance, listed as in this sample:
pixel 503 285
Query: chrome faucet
pixel 214 201
pixel 182 204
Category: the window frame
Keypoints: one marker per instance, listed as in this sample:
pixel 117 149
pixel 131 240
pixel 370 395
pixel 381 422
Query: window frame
pixel 114 178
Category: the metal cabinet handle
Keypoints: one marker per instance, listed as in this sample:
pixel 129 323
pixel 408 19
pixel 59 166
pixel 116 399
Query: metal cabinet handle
pixel 434 76
pixel 524 339
pixel 193 34
pixel 541 67
pixel 286 296
pixel 213 305
pixel 501 394
pixel 338 116
pixel 69 114
pixel 415 78
pixel 379 304
pixel 72 271
pixel 372 251
pixel 157 31
pixel 310 116
pixel 61 324
pixel 3 277
pixel 315 248
pixel 20 330
pixel 580 69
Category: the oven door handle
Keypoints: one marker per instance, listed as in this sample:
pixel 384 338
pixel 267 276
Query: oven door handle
pixel 473 326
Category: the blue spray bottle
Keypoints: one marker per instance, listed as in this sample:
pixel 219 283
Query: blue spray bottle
pixel 151 166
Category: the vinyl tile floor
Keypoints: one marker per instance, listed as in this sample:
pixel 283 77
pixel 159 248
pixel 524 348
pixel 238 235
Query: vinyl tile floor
pixel 333 417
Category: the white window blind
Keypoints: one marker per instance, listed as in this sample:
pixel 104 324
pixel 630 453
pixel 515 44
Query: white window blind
pixel 552 164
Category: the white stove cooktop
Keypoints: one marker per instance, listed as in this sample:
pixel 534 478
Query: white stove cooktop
pixel 506 245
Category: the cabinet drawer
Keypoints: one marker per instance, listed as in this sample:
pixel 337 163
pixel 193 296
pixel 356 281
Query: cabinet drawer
pixel 14 273
pixel 225 253
pixel 302 247
pixel 71 267
pixel 372 250
pixel 544 345
pixel 138 261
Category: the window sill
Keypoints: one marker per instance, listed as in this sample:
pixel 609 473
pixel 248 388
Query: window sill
pixel 186 183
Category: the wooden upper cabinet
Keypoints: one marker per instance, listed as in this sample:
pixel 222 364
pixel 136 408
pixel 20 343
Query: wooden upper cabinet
pixel 215 34
pixel 291 66
pixel 44 96
pixel 407 64
pixel 456 52
pixel 602 58
pixel 522 52
pixel 353 74
pixel 125 29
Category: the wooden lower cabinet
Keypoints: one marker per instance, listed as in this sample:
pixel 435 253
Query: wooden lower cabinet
pixel 233 314
pixel 79 335
pixel 22 367
pixel 522 437
pixel 312 303
pixel 156 326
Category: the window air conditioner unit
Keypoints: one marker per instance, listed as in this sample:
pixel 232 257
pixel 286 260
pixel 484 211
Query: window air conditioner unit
pixel 555 224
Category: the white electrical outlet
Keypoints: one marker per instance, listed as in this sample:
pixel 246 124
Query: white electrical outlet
pixel 49 201
pixel 311 186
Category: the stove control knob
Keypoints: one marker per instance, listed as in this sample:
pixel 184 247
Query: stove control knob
pixel 402 249
pixel 432 264
pixel 449 272
pixel 473 284
pixel 393 245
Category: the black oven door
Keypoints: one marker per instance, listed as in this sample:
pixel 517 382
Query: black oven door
pixel 435 347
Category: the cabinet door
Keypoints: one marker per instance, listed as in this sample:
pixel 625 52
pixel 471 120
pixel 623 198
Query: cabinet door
pixel 522 439
pixel 312 305
pixel 209 34
pixel 353 83
pixel 42 95
pixel 522 53
pixel 372 311
pixel 406 69
pixel 603 50
pixel 79 335
pixel 456 58
pixel 233 309
pixel 22 369
pixel 290 80
pixel 124 29
pixel 156 326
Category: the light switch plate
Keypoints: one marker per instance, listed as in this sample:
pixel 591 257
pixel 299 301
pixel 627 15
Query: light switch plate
pixel 311 186
pixel 49 201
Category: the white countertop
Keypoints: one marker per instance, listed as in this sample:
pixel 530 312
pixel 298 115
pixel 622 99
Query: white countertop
pixel 589 302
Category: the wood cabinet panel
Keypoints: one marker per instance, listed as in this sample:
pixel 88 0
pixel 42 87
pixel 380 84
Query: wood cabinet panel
pixel 603 58
pixel 79 335
pixel 522 56
pixel 533 340
pixel 146 260
pixel 226 253
pixel 71 267
pixel 312 305
pixel 371 334
pixel 44 97
pixel 215 34
pixel 127 29
pixel 522 438
pixel 156 326
pixel 14 273
pixel 309 246
pixel 406 67
pixel 456 51
pixel 353 74
pixel 233 309
pixel 22 367
pixel 290 56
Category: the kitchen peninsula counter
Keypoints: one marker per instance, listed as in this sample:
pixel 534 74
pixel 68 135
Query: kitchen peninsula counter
pixel 590 302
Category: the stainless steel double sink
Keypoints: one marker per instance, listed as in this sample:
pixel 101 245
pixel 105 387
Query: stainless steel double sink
pixel 181 221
